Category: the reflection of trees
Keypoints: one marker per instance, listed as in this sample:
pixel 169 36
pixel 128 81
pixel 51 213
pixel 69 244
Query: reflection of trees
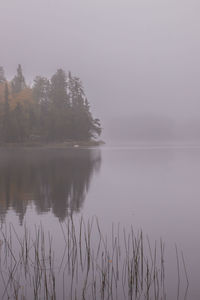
pixel 51 179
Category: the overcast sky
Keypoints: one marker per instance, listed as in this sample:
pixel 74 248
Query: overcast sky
pixel 137 56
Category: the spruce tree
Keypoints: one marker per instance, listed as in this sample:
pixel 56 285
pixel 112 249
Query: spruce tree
pixel 6 116
pixel 59 106
pixel 58 90
pixel 20 124
pixel 41 89
pixel 2 75
pixel 41 95
pixel 84 127
pixel 18 83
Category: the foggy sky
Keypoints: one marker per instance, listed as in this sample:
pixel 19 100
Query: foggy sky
pixel 137 56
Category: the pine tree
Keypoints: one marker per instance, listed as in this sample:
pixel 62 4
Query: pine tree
pixel 2 75
pixel 6 116
pixel 83 127
pixel 20 124
pixel 41 89
pixel 59 107
pixel 58 90
pixel 18 83
pixel 41 94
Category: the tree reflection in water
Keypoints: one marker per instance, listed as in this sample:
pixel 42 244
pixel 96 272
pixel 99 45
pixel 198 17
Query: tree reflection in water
pixel 52 179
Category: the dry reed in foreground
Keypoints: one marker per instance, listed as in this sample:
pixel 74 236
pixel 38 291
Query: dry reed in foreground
pixel 85 265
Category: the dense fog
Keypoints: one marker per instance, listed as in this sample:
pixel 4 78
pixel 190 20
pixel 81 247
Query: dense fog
pixel 138 59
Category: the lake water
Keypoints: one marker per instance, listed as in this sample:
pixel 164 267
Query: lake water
pixel 155 189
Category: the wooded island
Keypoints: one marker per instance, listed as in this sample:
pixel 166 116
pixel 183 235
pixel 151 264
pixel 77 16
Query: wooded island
pixel 51 110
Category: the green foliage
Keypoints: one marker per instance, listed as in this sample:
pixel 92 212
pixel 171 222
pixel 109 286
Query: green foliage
pixel 53 110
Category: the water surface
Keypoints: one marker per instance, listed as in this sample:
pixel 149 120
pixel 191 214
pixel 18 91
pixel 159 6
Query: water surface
pixel 156 189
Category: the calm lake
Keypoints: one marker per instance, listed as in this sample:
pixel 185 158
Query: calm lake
pixel 155 189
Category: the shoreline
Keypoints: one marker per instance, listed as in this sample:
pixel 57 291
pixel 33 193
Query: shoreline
pixel 63 145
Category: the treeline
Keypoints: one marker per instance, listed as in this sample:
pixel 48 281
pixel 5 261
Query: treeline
pixel 50 110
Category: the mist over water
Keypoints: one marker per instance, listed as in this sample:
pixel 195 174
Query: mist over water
pixel 139 64
pixel 152 129
pixel 135 58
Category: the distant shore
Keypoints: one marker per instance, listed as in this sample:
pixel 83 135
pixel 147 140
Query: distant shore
pixel 64 144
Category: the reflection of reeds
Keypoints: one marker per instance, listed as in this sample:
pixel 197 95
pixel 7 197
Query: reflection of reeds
pixel 90 266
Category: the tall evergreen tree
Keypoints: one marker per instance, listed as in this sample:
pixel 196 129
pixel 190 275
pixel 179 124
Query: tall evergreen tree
pixel 59 108
pixel 58 90
pixel 2 75
pixel 76 91
pixel 18 83
pixel 6 116
pixel 41 89
pixel 84 127
pixel 41 94
pixel 20 123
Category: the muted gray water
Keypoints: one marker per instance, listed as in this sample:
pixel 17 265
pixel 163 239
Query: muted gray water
pixel 156 189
